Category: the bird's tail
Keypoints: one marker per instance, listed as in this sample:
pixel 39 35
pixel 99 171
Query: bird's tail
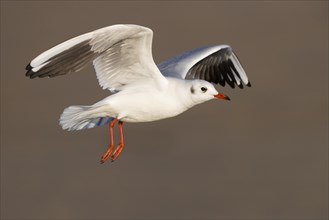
pixel 81 117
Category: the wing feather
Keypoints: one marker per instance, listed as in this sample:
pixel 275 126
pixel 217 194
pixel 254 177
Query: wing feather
pixel 121 54
pixel 216 64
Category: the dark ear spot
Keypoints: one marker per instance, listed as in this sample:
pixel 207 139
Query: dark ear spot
pixel 192 90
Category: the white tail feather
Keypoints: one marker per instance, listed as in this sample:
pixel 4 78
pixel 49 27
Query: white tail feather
pixel 81 117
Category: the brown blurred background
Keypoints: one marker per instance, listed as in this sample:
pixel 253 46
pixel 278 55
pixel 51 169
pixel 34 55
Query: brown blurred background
pixel 263 155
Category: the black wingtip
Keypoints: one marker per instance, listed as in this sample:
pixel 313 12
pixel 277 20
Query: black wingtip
pixel 28 67
pixel 248 84
pixel 29 71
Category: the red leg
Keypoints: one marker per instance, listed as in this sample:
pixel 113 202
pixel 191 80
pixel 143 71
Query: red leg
pixel 111 145
pixel 121 144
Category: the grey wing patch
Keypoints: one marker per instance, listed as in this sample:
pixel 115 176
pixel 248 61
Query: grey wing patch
pixel 71 60
pixel 85 124
pixel 99 121
pixel 221 67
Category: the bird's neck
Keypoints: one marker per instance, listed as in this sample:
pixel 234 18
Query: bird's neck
pixel 181 91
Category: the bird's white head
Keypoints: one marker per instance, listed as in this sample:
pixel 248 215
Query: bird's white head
pixel 202 91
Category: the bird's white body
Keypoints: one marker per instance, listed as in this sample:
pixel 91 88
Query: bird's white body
pixel 171 99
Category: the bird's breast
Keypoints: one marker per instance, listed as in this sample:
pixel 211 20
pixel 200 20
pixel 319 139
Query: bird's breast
pixel 145 107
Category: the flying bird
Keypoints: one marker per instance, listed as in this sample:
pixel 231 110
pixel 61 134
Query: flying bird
pixel 140 90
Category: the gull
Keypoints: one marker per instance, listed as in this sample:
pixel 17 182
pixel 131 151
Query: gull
pixel 140 90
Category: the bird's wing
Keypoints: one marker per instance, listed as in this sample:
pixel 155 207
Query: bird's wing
pixel 216 64
pixel 121 54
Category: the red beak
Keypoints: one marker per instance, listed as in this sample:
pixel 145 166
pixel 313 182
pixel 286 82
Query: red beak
pixel 222 96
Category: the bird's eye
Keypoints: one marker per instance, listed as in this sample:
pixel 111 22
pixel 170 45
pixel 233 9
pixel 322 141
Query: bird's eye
pixel 204 89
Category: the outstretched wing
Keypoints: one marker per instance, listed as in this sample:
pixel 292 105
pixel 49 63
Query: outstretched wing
pixel 216 64
pixel 121 54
